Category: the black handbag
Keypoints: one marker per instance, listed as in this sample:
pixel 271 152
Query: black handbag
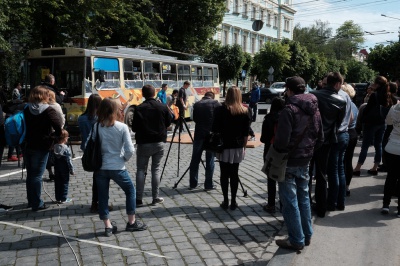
pixel 92 159
pixel 213 142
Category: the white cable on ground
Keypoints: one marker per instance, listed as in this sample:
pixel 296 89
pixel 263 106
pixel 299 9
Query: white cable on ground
pixel 82 240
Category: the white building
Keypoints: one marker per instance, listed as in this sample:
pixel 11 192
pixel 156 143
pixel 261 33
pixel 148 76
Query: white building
pixel 236 27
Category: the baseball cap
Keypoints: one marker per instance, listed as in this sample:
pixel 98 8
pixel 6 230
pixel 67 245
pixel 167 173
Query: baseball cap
pixel 295 83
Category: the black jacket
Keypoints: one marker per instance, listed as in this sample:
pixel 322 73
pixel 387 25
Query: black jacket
pixel 333 109
pixel 203 115
pixel 233 129
pixel 150 122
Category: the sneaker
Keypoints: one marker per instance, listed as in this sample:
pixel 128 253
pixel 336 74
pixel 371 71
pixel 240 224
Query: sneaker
pixel 398 214
pixel 224 205
pixel 307 242
pixel 67 200
pixel 211 188
pixel 136 226
pixel 112 230
pixel 5 207
pixel 2 211
pixel 285 243
pixel 385 210
pixel 12 159
pixel 52 177
pixel 139 203
pixel 252 139
pixel 157 201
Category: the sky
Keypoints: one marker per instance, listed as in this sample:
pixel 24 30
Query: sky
pixel 366 13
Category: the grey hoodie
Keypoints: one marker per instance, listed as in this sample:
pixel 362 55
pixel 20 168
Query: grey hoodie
pixel 62 150
pixel 37 108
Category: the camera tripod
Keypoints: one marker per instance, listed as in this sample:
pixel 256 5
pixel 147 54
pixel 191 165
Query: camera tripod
pixel 179 125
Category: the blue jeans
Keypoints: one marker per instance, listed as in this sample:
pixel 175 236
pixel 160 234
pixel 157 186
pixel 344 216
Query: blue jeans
pixel 194 165
pixel 296 209
pixel 143 154
pixel 123 180
pixel 61 171
pixel 336 175
pixel 35 162
pixel 372 134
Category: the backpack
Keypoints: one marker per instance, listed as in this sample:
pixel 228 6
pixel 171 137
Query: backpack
pixel 15 128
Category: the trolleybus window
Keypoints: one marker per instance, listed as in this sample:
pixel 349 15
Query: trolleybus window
pixel 183 74
pixel 152 74
pixel 208 76
pixel 215 75
pixel 197 76
pixel 133 74
pixel 169 75
pixel 110 69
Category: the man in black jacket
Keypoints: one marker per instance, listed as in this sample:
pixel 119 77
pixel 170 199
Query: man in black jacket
pixel 203 115
pixel 332 108
pixel 150 122
pixel 49 82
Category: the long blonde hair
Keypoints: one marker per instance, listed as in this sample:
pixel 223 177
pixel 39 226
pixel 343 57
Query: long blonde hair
pixel 39 94
pixel 52 97
pixel 233 101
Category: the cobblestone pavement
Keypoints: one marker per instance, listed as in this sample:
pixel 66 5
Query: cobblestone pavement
pixel 188 228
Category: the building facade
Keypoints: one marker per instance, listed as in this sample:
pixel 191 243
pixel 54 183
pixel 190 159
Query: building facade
pixel 237 26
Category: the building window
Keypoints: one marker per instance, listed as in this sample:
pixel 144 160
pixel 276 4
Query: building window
pixel 262 15
pixel 236 7
pixel 253 45
pixel 287 25
pixel 253 12
pixel 261 44
pixel 244 45
pixel 275 21
pixel 225 40
pixel 235 38
pixel 269 19
pixel 245 10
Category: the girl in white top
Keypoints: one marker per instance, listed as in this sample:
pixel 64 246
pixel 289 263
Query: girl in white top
pixel 392 156
pixel 116 149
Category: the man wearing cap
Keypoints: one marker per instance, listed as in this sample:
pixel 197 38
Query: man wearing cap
pixel 332 108
pixel 299 131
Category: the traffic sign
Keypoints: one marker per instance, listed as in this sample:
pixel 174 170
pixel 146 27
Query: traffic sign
pixel 271 70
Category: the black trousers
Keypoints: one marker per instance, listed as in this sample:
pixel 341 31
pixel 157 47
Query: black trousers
pixel 229 172
pixel 271 184
pixel 321 166
pixel 392 187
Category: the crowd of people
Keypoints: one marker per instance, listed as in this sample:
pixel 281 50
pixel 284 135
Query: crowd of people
pixel 318 131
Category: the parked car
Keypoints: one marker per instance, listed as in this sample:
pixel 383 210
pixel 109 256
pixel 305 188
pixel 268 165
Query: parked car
pixel 279 87
pixel 266 95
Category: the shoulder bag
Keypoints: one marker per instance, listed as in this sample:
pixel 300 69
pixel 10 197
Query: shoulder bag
pixel 213 142
pixel 92 158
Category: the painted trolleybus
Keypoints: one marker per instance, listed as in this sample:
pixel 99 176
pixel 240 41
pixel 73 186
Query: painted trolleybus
pixel 117 72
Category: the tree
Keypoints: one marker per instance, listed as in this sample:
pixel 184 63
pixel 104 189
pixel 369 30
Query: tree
pixel 188 25
pixel 358 72
pixel 385 60
pixel 230 60
pixel 314 38
pixel 318 67
pixel 347 40
pixel 275 54
pixel 299 61
pixel 248 61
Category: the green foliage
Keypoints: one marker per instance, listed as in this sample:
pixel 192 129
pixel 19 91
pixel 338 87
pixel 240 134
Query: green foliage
pixel 275 54
pixel 299 61
pixel 230 59
pixel 314 38
pixel 188 25
pixel 318 67
pixel 385 60
pixel 358 72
